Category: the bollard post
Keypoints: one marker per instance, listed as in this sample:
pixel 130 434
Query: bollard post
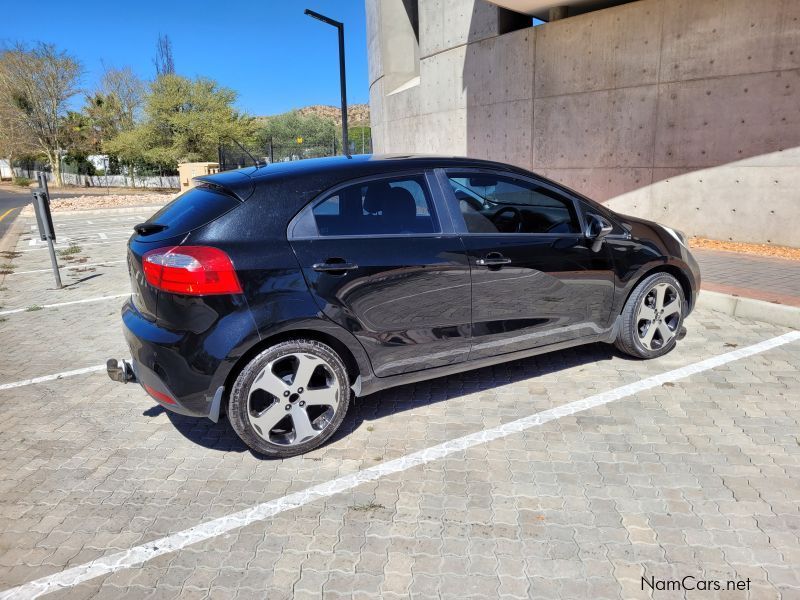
pixel 44 219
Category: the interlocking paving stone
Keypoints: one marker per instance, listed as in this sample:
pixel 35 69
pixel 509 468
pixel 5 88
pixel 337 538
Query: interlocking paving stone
pixel 698 477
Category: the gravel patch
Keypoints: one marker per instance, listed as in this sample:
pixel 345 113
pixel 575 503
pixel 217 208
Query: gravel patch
pixel 87 202
pixel 768 250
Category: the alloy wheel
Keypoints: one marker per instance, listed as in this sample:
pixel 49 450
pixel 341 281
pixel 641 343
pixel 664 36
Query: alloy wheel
pixel 293 399
pixel 658 316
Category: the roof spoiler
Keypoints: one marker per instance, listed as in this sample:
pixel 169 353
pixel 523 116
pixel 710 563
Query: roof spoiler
pixel 236 183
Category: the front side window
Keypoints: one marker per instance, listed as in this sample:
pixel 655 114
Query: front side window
pixel 395 206
pixel 503 204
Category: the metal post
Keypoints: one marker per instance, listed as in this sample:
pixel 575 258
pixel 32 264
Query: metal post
pixel 54 262
pixel 343 84
pixel 271 152
pixel 43 183
pixel 342 77
pixel 45 221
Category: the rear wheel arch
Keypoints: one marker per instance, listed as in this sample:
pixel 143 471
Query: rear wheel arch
pixel 347 356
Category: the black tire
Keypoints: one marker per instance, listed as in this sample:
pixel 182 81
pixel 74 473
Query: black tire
pixel 628 338
pixel 239 402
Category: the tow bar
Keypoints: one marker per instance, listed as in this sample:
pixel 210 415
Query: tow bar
pixel 122 373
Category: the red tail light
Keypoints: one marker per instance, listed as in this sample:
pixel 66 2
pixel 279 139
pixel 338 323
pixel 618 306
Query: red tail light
pixel 191 270
pixel 160 396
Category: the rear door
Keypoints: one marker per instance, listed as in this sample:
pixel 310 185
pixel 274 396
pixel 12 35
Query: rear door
pixel 382 262
pixel 536 281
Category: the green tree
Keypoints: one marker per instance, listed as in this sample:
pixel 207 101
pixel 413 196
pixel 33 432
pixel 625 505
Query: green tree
pixel 15 140
pixel 117 103
pixel 184 121
pixel 35 85
pixel 286 127
pixel 114 107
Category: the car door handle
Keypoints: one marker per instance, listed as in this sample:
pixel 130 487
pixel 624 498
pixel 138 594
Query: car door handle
pixel 334 266
pixel 493 260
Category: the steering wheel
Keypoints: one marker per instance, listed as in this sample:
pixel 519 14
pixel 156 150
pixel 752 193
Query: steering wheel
pixel 496 219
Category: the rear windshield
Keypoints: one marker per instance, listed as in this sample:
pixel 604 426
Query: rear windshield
pixel 190 210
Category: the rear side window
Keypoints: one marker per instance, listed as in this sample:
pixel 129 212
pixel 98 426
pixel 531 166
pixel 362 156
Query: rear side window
pixel 190 210
pixel 395 206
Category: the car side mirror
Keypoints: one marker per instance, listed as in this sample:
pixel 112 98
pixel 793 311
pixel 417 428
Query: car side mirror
pixel 597 228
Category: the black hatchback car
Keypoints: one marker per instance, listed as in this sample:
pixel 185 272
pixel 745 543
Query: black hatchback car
pixel 275 294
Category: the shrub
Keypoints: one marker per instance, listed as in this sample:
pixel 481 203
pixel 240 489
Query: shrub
pixel 22 181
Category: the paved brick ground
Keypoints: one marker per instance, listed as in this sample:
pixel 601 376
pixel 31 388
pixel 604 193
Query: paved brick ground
pixel 700 477
pixel 769 279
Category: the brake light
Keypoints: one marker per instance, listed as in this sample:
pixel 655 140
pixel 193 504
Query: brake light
pixel 191 270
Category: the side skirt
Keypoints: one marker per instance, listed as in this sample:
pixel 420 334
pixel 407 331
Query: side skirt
pixel 377 384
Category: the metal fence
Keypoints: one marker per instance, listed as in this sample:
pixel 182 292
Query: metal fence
pixel 84 175
pixel 236 156
pixel 83 180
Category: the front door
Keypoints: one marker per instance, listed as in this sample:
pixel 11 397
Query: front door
pixel 535 280
pixel 378 263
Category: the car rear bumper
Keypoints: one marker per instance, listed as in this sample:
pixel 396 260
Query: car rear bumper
pixel 171 366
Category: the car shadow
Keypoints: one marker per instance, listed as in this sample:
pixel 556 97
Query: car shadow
pixel 203 432
pixel 432 391
pixel 220 436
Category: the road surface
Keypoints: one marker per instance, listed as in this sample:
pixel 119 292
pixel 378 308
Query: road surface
pixel 10 205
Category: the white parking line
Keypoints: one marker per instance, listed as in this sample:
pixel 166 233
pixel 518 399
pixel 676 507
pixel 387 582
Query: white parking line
pixel 210 529
pixel 78 266
pixel 43 378
pixel 58 304
pixel 62 246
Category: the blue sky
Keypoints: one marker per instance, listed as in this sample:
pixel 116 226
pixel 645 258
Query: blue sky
pixel 273 55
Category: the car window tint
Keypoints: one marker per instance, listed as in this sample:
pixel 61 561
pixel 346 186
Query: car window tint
pixel 395 206
pixel 328 207
pixel 499 204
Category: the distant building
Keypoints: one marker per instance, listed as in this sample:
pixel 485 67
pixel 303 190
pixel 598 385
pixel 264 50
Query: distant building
pixel 684 111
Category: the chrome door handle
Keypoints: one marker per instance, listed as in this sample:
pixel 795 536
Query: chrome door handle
pixel 493 261
pixel 334 267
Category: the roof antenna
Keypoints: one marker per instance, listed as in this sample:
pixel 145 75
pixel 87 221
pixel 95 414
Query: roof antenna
pixel 243 149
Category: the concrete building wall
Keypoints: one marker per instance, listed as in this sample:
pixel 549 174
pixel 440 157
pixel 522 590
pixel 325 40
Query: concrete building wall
pixel 684 111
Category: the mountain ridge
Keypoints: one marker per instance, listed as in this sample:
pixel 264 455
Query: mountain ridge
pixel 357 114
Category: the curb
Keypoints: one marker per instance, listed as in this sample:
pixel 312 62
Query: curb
pixel 28 211
pixel 749 308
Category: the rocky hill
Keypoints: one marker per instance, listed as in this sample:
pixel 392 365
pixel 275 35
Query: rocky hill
pixel 357 114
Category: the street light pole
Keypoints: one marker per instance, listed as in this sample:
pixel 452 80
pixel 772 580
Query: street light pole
pixel 342 79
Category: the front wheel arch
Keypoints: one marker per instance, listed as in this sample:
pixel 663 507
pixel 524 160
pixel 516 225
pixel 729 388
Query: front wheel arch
pixel 673 270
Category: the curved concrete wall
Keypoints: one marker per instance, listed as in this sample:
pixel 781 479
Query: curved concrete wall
pixel 685 111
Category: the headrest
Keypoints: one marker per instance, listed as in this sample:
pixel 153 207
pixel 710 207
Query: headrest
pixel 400 205
pixel 374 198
